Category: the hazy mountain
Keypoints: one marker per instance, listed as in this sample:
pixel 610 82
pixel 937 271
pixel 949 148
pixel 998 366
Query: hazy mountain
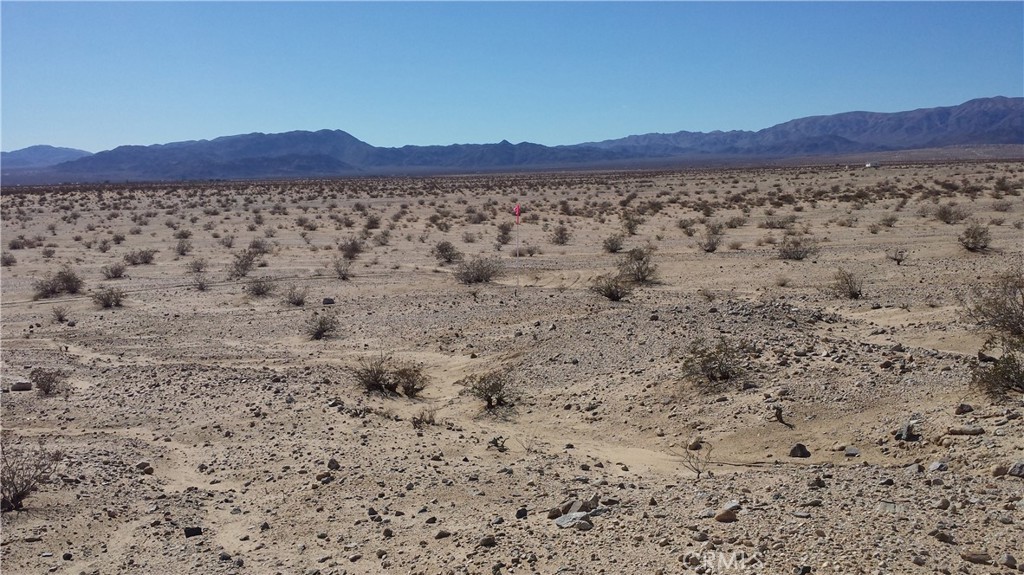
pixel 39 157
pixel 325 153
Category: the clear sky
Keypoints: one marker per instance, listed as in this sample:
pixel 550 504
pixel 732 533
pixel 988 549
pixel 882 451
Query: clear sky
pixel 95 75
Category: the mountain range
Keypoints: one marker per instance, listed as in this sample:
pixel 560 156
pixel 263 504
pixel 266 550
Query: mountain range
pixel 331 153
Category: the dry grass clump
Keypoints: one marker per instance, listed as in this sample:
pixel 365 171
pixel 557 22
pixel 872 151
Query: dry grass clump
pixel 846 284
pixel 381 374
pixel 321 325
pixel 612 287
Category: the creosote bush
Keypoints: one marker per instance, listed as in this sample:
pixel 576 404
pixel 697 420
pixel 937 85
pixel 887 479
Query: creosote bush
pixel 113 271
pixel 846 284
pixel 495 388
pixel 321 325
pixel 612 287
pixel 260 287
pixel 713 366
pixel 446 252
pixel 479 270
pixel 382 374
pixel 637 265
pixel 613 243
pixel 49 381
pixel 23 470
pixel 998 308
pixel 108 297
pixel 295 295
pixel 797 248
pixel 975 237
pixel 341 268
pixel 711 237
pixel 140 257
pixel 64 281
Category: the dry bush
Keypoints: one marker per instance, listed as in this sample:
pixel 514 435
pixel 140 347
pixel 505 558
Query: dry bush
pixel 374 375
pixel 295 295
pixel 495 388
pixel 23 470
pixel 49 381
pixel 411 379
pixel 698 460
pixel 951 213
pixel 637 265
pixel 975 237
pixel 321 325
pixel 446 252
pixel 108 297
pixel 65 280
pixel 778 222
pixel 846 284
pixel 60 313
pixel 183 247
pixel 561 236
pixel 260 287
pixel 113 271
pixel 196 265
pixel 713 366
pixel 613 243
pixel 201 282
pixel 479 270
pixel 998 308
pixel 612 287
pixel 424 418
pixel 898 255
pixel 7 259
pixel 711 237
pixel 341 267
pixel 140 257
pixel 797 248
pixel 350 248
pixel 243 263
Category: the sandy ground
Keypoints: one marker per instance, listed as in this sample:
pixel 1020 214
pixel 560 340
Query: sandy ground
pixel 214 410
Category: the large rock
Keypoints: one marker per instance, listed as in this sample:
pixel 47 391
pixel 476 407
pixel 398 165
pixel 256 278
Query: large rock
pixel 571 519
pixel 1016 470
pixel 799 450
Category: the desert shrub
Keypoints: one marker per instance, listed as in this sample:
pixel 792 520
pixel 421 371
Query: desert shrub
pixel 411 379
pixel 227 241
pixel 243 263
pixel 998 308
pixel 374 375
pixel 479 270
pixel 898 255
pixel 60 313
pixel 201 282
pixel 637 265
pixel 613 243
pixel 735 245
pixel 687 226
pixel 341 267
pixel 183 247
pixel 698 460
pixel 49 381
pixel 49 253
pixel 295 295
pixel 196 265
pixel 45 288
pixel 113 271
pixel 711 237
pixel 778 222
pixel 889 220
pixel 321 325
pixel 495 388
pixel 65 280
pixel 424 418
pixel 951 213
pixel 630 221
pixel 108 297
pixel 999 305
pixel 139 257
pixel 23 470
pixel 975 237
pixel 561 236
pixel 712 366
pixel 446 252
pixel 118 238
pixel 260 287
pixel 7 259
pixel 797 248
pixel 350 248
pixel 611 287
pixel 1002 206
pixel 259 246
pixel 735 222
pixel 846 284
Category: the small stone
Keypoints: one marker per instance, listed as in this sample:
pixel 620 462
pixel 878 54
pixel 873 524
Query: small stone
pixel 965 430
pixel 1007 560
pixel 488 541
pixel 816 483
pixel 917 560
pixel 521 513
pixel 571 519
pixel 942 536
pixel 66 557
pixel 979 557
pixel 851 451
pixel 584 525
pixel 962 409
pixel 333 464
pixel 355 557
pixel 799 450
pixel 938 466
pixel 999 470
pixel 1017 470
pixel 554 513
pixel 224 556
pixel 942 504
pixel 328 301
pixel 193 531
pixel 725 516
pixel 442 534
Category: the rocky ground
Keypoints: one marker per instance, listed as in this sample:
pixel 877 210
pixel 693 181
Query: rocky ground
pixel 205 432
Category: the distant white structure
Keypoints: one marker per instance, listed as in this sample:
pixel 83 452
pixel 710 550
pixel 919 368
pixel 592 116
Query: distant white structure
pixel 871 165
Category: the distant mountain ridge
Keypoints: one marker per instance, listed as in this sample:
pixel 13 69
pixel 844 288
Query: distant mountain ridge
pixel 40 156
pixel 327 153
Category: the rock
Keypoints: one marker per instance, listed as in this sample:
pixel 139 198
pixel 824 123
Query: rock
pixel 816 483
pixel 725 516
pixel 799 450
pixel 488 541
pixel 965 430
pixel 906 433
pixel 193 531
pixel 851 451
pixel 554 513
pixel 890 507
pixel 1007 560
pixel 695 443
pixel 442 534
pixel 68 556
pixel 328 301
pixel 584 525
pixel 918 560
pixel 979 557
pixel 224 556
pixel 571 519
pixel 1000 470
pixel 21 385
pixel 333 464
pixel 942 504
pixel 962 409
pixel 521 513
pixel 942 536
pixel 1017 470
pixel 938 466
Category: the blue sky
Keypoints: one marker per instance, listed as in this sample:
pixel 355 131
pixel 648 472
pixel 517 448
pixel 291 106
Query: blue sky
pixel 94 75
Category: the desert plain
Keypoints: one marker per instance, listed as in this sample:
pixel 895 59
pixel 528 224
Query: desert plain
pixel 202 429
